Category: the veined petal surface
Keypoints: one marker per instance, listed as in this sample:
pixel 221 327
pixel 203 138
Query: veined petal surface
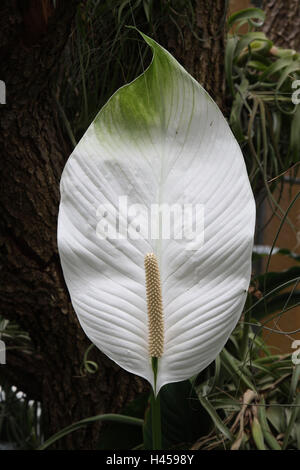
pixel 159 142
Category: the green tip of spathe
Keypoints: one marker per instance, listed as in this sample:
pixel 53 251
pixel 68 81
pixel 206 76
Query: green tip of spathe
pixel 146 38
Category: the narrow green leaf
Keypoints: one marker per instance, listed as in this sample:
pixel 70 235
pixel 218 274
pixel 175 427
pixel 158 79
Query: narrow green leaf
pixel 215 417
pixel 257 434
pixel 229 56
pixel 84 422
pixel 236 368
pixel 291 421
pixel 248 14
pixel 273 443
pixel 276 67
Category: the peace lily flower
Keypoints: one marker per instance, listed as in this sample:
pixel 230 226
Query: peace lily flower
pixel 162 141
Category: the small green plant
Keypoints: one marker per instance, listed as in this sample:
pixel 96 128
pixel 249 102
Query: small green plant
pixel 20 419
pixel 263 117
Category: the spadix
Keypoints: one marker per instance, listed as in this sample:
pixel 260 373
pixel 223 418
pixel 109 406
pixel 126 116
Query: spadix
pixel 159 142
pixel 155 306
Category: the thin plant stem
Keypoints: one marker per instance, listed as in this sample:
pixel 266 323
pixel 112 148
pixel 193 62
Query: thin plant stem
pixel 155 411
pixel 246 329
pixel 156 422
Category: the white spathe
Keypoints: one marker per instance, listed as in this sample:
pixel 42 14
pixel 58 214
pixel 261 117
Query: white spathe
pixel 159 140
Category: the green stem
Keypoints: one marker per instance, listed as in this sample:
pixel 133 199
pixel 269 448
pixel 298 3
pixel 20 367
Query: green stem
pixel 246 329
pixel 155 411
pixel 156 422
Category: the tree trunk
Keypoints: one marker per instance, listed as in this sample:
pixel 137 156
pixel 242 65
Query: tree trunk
pixel 200 45
pixel 33 153
pixel 283 22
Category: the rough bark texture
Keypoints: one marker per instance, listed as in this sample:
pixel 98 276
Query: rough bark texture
pixel 33 153
pixel 283 22
pixel 200 45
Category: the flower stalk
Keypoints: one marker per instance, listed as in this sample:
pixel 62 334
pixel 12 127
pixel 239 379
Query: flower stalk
pixel 156 422
pixel 156 338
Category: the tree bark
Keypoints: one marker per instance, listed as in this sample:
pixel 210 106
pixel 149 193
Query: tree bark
pixel 282 23
pixel 33 152
pixel 200 45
